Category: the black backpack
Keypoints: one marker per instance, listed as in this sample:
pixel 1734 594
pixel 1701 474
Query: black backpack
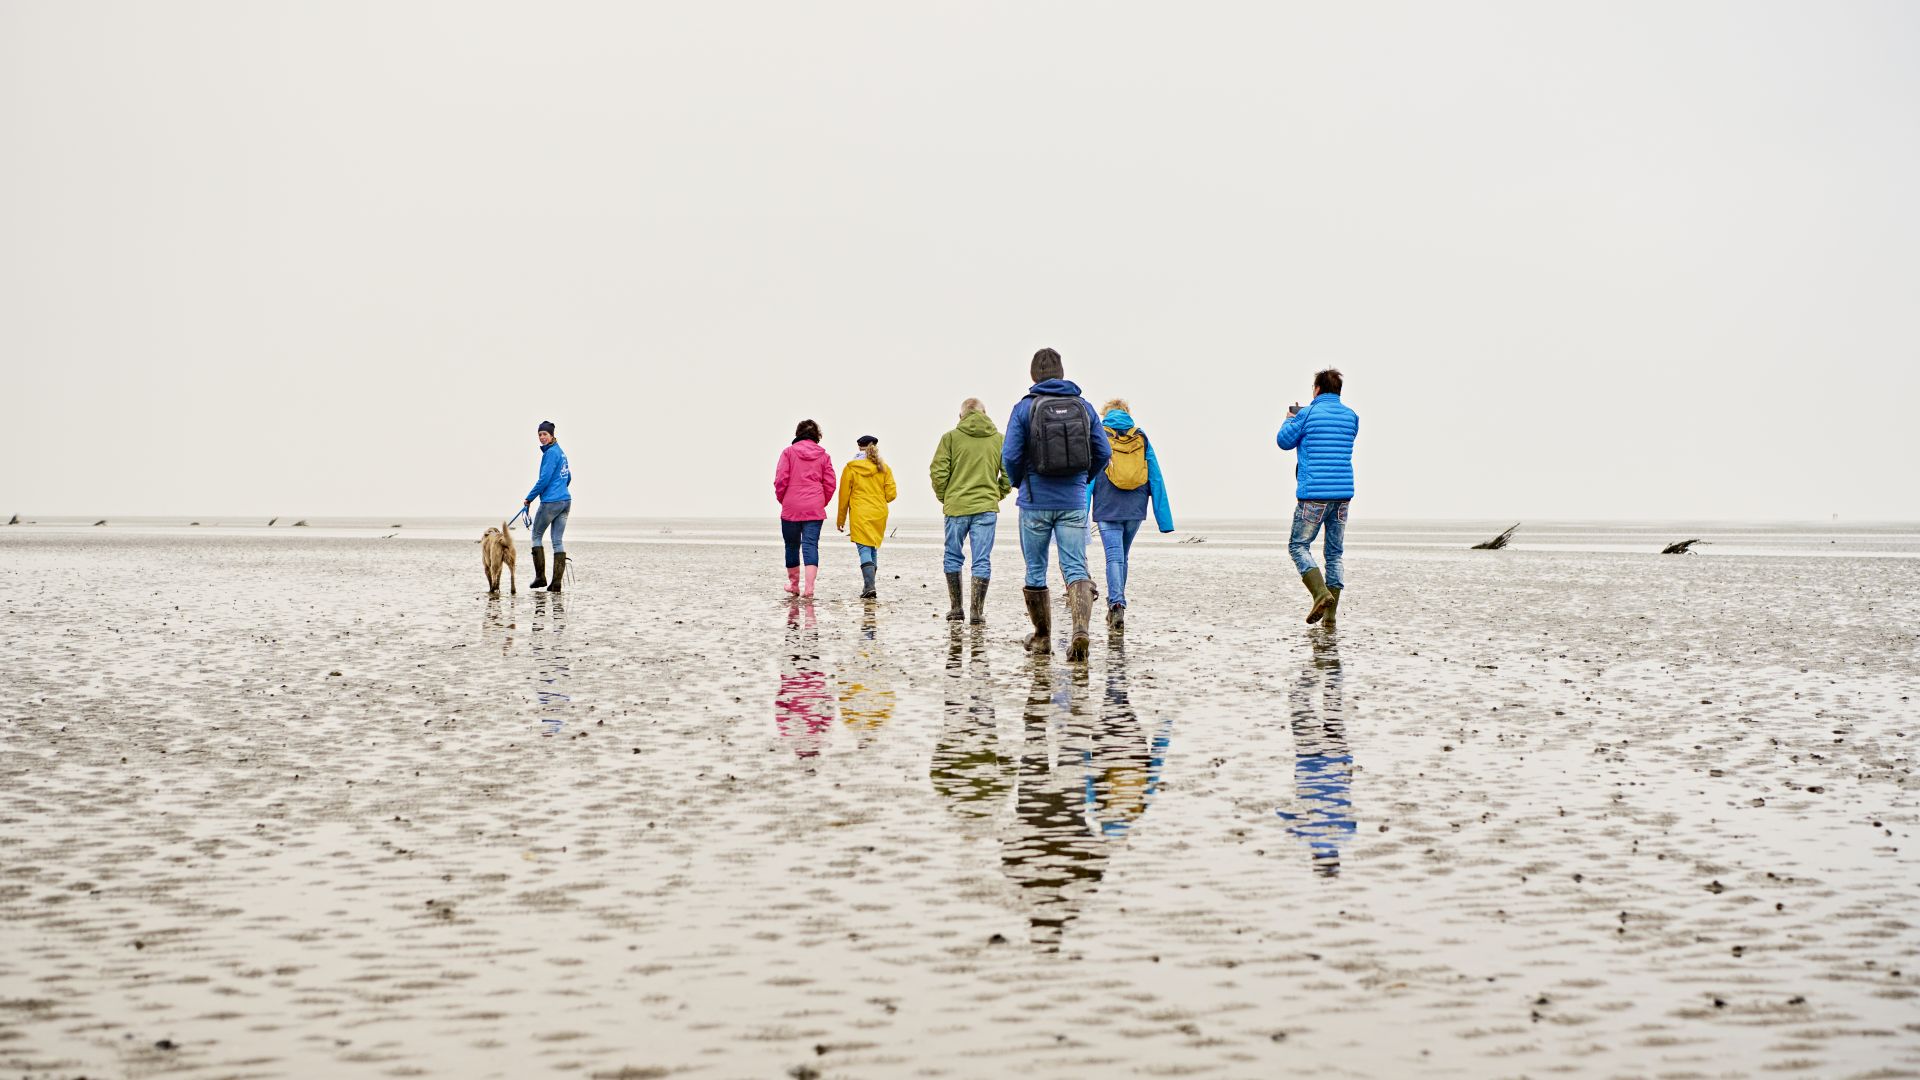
pixel 1059 436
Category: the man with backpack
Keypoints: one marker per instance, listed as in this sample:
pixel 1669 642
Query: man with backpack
pixel 1120 497
pixel 1324 433
pixel 1053 450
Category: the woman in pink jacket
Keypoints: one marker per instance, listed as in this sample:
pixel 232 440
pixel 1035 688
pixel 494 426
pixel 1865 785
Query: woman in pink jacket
pixel 803 482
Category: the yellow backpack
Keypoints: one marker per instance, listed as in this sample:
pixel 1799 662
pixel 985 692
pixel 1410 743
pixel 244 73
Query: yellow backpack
pixel 1128 468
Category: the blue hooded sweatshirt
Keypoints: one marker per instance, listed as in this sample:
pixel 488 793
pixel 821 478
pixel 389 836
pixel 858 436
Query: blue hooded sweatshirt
pixel 554 476
pixel 1050 492
pixel 1112 504
pixel 1324 431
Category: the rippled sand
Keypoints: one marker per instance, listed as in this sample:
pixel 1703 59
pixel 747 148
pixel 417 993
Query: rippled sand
pixel 292 806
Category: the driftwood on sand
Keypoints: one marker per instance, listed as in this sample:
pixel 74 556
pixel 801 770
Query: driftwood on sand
pixel 1684 547
pixel 299 524
pixel 270 522
pixel 1497 542
pixel 15 521
pixel 99 523
pixel 1192 540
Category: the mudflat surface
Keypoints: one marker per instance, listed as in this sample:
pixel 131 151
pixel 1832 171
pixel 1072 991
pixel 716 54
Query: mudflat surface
pixel 280 806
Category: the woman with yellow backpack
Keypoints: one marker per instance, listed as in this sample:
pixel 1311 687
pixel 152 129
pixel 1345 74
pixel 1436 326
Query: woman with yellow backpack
pixel 1120 497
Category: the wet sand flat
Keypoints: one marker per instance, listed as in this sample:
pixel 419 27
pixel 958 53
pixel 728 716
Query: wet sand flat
pixel 276 806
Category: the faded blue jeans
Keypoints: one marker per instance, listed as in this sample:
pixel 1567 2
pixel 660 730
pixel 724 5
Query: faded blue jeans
pixel 1308 518
pixel 1067 529
pixel 551 514
pixel 1116 539
pixel 803 541
pixel 975 531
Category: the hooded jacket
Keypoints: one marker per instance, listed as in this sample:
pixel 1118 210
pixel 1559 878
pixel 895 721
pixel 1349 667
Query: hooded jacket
pixel 1324 431
pixel 803 481
pixel 968 475
pixel 554 476
pixel 865 491
pixel 1111 503
pixel 1050 492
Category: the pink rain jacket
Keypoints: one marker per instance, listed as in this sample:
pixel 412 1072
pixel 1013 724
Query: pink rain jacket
pixel 803 482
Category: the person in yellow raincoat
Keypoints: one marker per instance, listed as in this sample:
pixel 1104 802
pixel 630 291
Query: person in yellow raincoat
pixel 866 487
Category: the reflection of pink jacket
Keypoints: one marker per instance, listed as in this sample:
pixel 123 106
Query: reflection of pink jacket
pixel 803 481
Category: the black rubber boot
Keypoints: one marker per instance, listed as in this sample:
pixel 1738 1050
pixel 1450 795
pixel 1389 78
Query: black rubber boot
pixel 559 570
pixel 1040 610
pixel 867 572
pixel 955 610
pixel 1116 618
pixel 1316 584
pixel 539 569
pixel 979 602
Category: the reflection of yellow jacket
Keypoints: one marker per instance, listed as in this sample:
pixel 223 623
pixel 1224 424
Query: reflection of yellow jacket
pixel 865 489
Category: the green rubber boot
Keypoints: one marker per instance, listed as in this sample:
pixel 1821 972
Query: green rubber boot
pixel 1332 607
pixel 1316 584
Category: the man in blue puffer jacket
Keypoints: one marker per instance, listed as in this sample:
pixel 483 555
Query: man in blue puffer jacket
pixel 1324 432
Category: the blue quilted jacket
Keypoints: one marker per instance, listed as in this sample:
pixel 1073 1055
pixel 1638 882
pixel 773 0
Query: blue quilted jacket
pixel 1324 432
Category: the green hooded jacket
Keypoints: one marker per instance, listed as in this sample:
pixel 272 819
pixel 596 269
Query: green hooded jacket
pixel 968 477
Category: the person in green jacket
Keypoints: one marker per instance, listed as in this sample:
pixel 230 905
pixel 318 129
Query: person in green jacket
pixel 969 480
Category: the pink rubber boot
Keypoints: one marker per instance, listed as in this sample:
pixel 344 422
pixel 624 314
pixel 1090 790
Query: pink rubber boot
pixel 812 572
pixel 793 581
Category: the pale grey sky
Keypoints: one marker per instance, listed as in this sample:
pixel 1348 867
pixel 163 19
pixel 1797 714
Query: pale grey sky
pixel 1577 260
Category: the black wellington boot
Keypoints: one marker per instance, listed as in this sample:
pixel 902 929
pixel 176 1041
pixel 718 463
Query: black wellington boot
pixel 979 602
pixel 559 570
pixel 955 610
pixel 867 572
pixel 539 569
pixel 1040 611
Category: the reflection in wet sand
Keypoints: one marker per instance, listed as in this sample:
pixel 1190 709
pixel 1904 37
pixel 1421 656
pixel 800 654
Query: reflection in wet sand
pixel 1082 780
pixel 866 698
pixel 552 668
pixel 969 768
pixel 803 707
pixel 1323 764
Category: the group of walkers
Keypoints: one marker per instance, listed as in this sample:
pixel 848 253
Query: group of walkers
pixel 1076 468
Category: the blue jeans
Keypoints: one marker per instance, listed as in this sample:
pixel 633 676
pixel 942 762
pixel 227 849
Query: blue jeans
pixel 977 531
pixel 1116 539
pixel 867 554
pixel 803 541
pixel 554 514
pixel 1068 531
pixel 1308 517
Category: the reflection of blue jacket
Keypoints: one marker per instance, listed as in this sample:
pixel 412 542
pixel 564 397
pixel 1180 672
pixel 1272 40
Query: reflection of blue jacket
pixel 1324 431
pixel 554 476
pixel 1050 492
pixel 1112 504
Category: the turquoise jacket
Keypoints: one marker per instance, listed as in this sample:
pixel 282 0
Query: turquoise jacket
pixel 1112 504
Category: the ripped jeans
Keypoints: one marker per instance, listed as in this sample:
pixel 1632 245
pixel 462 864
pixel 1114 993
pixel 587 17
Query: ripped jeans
pixel 1308 518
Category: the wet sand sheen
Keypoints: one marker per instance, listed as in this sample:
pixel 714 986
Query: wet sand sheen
pixel 1581 813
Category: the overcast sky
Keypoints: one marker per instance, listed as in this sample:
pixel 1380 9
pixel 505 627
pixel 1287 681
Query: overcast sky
pixel 1576 260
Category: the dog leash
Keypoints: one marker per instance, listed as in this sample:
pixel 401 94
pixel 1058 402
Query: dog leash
pixel 517 517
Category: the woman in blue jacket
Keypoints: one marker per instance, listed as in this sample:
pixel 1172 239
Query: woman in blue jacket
pixel 1120 494
pixel 555 501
